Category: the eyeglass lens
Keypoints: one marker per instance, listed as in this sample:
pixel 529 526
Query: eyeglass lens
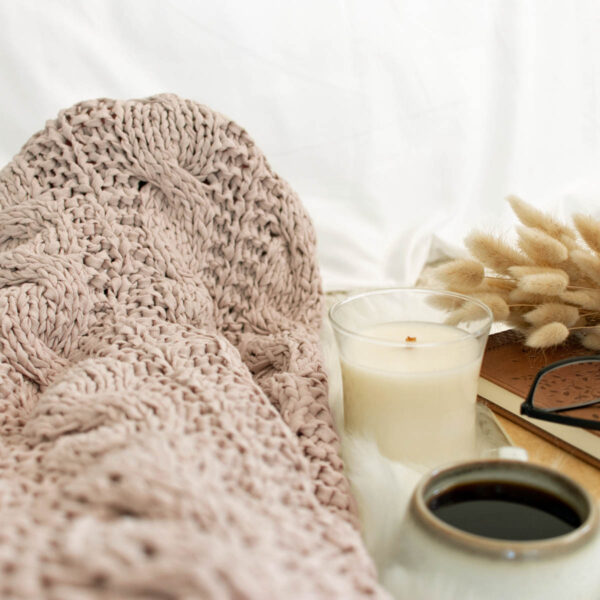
pixel 572 389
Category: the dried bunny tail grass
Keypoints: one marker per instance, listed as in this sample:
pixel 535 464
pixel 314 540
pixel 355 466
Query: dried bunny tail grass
pixel 495 303
pixel 471 311
pixel 465 314
pixel 494 253
pixel 518 272
pixel 547 285
pixel 589 299
pixel 551 334
pixel 498 285
pixel 550 283
pixel 519 296
pixel 461 274
pixel 591 339
pixel 552 312
pixel 587 263
pixel 447 303
pixel 542 248
pixel 589 229
pixel 576 276
pixel 458 316
pixel 532 217
pixel 573 273
pixel 517 321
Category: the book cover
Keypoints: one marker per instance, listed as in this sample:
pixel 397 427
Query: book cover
pixel 507 372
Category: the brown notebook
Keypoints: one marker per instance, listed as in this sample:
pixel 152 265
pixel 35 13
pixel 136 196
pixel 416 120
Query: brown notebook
pixel 507 371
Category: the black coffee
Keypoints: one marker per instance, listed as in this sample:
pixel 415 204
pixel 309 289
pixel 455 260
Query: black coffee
pixel 505 511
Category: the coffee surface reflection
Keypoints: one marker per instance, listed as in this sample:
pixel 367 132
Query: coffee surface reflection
pixel 505 511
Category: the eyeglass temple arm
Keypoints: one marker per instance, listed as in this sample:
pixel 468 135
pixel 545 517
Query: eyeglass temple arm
pixel 571 407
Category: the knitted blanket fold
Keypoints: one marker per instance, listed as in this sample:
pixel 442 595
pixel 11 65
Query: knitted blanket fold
pixel 164 427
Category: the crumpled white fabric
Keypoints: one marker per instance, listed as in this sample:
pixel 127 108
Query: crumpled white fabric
pixel 402 124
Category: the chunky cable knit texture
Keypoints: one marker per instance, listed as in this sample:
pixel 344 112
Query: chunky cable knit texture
pixel 164 428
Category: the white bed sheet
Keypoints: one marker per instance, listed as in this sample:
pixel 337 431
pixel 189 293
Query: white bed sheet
pixel 401 124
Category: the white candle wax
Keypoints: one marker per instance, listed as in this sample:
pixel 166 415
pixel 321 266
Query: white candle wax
pixel 418 402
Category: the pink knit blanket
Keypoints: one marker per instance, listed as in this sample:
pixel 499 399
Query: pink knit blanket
pixel 164 427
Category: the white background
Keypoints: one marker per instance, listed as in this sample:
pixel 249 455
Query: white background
pixel 401 124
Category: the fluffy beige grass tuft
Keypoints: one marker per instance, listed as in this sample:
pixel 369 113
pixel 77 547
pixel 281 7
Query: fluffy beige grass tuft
pixel 551 283
pixel 588 299
pixel 498 285
pixel 551 334
pixel 589 229
pixel 587 263
pixel 552 312
pixel 532 217
pixel 520 297
pixel 496 303
pixel 494 253
pixel 540 247
pixel 461 275
pixel 548 287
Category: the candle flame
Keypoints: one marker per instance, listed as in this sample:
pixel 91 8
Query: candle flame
pixel 410 338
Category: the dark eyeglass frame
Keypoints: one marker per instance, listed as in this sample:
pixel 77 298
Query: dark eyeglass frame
pixel 527 407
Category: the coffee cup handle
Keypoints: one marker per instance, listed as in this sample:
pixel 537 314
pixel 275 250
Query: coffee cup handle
pixel 508 452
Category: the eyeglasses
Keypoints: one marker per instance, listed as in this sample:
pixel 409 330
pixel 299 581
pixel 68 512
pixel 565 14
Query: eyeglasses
pixel 567 392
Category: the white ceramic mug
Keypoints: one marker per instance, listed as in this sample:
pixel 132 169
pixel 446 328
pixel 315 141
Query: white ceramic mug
pixel 476 566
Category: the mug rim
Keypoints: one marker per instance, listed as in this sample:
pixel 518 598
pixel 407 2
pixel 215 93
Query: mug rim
pixel 337 326
pixel 516 550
